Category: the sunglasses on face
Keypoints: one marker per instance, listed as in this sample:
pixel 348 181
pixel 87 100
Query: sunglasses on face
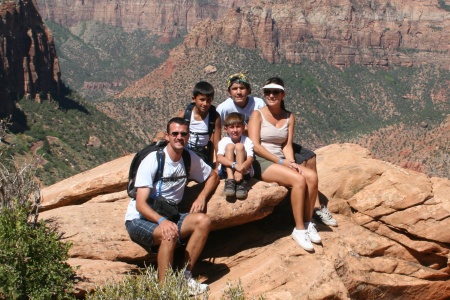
pixel 273 92
pixel 176 133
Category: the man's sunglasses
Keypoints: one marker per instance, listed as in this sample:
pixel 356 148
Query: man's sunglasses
pixel 273 92
pixel 176 133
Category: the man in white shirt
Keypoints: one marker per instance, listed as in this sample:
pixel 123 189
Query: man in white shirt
pixel 152 230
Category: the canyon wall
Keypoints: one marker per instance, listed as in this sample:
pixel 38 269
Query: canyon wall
pixel 341 32
pixel 165 18
pixel 28 60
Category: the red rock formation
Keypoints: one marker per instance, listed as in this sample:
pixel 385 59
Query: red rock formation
pixel 166 18
pixel 392 241
pixel 28 61
pixel 341 32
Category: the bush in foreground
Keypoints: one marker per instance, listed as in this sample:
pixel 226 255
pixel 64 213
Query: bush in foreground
pixel 32 257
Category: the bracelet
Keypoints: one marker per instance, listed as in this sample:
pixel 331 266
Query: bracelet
pixel 280 161
pixel 160 220
pixel 233 164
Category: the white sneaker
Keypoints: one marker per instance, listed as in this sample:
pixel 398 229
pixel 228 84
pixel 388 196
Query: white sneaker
pixel 302 238
pixel 312 233
pixel 323 215
pixel 196 288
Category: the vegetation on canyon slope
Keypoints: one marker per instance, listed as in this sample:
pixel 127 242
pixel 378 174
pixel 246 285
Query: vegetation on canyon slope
pixel 331 104
pixel 65 137
pixel 99 60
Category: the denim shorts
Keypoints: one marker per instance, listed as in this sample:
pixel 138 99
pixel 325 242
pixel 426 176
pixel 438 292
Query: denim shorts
pixel 141 232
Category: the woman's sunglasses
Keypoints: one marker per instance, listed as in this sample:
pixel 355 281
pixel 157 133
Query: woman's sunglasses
pixel 273 92
pixel 176 133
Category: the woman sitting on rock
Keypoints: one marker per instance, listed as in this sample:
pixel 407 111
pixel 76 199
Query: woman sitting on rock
pixel 271 129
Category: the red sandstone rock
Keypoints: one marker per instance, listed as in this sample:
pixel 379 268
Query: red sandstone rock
pixel 392 240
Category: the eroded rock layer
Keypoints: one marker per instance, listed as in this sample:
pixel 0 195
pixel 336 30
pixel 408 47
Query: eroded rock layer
pixel 28 60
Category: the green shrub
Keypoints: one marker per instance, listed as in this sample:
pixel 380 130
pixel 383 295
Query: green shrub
pixel 32 257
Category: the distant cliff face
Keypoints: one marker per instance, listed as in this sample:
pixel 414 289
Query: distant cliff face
pixel 166 18
pixel 341 32
pixel 28 60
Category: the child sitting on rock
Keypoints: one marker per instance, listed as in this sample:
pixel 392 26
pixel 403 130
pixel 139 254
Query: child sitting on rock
pixel 235 156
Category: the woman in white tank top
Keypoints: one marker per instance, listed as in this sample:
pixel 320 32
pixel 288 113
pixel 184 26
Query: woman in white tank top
pixel 271 129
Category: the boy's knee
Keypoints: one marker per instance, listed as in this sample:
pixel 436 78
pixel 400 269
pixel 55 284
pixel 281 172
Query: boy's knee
pixel 239 147
pixel 229 147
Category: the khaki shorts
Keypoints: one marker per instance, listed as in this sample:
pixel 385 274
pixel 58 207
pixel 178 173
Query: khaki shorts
pixel 260 165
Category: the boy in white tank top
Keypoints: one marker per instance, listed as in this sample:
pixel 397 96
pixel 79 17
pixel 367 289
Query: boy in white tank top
pixel 202 140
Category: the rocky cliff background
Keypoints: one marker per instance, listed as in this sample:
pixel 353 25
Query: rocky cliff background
pixel 340 32
pixel 373 73
pixel 28 59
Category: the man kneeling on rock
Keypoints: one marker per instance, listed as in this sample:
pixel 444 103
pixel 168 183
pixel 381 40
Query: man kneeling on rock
pixel 148 226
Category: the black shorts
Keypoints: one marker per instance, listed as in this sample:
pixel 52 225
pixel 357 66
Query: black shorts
pixel 301 153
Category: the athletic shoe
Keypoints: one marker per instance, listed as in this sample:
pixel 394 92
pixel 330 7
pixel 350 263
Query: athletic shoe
pixel 229 188
pixel 323 215
pixel 312 233
pixel 241 189
pixel 196 288
pixel 302 238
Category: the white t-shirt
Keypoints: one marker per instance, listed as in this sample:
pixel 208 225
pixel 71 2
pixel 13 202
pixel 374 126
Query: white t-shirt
pixel 171 190
pixel 198 140
pixel 228 106
pixel 248 146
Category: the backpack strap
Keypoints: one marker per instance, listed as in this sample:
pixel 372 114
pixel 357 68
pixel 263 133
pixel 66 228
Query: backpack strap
pixel 212 118
pixel 161 158
pixel 188 112
pixel 187 162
